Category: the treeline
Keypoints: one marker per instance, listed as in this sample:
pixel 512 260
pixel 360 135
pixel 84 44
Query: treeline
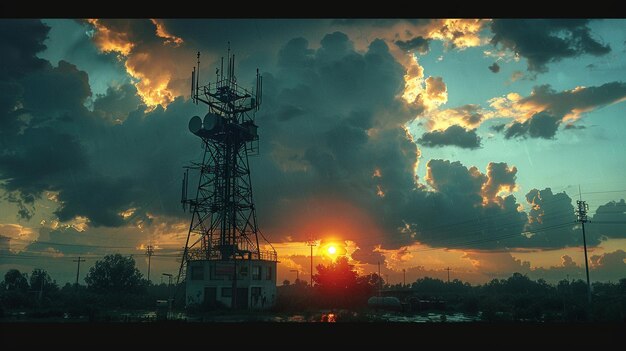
pixel 112 284
pixel 517 298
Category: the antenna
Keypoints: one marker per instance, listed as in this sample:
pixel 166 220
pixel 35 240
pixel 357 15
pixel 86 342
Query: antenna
pixel 183 198
pixel 197 77
pixel 193 84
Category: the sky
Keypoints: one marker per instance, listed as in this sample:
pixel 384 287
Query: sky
pixel 416 144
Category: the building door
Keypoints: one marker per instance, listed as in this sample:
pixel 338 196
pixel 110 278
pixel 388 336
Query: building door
pixel 242 298
pixel 210 296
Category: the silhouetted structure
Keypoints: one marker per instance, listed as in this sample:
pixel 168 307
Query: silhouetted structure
pixel 223 261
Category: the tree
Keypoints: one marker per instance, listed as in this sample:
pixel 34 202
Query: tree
pixel 337 285
pixel 115 274
pixel 41 280
pixel 337 276
pixel 15 281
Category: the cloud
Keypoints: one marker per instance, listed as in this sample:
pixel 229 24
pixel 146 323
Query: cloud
pixel 418 44
pixel 150 54
pixel 453 135
pixel 117 102
pixel 495 68
pixel 610 263
pixel 566 261
pixel 609 220
pixel 551 221
pixel 540 114
pixel 454 33
pixel 542 41
pixel 21 41
pixel 540 125
pixel 498 127
pixel 468 116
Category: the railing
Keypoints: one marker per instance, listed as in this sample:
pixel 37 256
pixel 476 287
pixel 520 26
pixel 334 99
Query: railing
pixel 199 254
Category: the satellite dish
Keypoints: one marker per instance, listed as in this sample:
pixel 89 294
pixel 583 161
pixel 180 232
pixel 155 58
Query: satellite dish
pixel 211 121
pixel 195 124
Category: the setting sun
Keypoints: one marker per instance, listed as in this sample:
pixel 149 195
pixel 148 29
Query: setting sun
pixel 332 250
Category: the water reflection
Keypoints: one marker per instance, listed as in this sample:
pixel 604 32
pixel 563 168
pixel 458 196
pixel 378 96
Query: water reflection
pixel 329 317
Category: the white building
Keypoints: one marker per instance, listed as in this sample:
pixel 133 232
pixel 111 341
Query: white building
pixel 211 281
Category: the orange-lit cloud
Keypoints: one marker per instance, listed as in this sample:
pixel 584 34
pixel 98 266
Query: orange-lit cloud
pixel 500 181
pixel 162 32
pixel 109 40
pixel 460 33
pixel 19 236
pixel 568 105
pixel 154 63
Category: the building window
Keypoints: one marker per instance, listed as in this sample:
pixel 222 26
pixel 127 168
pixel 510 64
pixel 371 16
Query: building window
pixel 227 292
pixel 243 272
pixel 255 291
pixel 197 273
pixel 269 273
pixel 256 272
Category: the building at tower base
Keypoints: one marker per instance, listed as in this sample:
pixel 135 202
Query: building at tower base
pixel 212 283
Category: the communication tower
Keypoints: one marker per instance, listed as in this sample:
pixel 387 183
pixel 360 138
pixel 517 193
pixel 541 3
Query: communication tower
pixel 223 260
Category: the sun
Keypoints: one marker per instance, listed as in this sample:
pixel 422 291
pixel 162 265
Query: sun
pixel 331 250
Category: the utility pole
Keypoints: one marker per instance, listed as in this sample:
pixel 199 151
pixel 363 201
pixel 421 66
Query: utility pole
pixel 149 253
pixel 169 293
pixel 79 260
pixel 581 214
pixel 403 277
pixel 448 269
pixel 311 243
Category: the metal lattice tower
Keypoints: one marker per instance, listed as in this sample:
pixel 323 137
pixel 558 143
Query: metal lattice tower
pixel 223 222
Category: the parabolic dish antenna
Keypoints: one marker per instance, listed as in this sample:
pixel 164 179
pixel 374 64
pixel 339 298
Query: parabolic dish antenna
pixel 210 121
pixel 195 124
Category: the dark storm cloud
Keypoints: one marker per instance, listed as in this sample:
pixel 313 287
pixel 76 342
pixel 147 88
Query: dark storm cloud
pixel 541 125
pixel 20 41
pixel 98 168
pixel 495 68
pixel 542 41
pixel 609 265
pixel 56 92
pixel 18 57
pixel 609 220
pixel 37 156
pixel 570 126
pixel 453 136
pixel 555 106
pixel 482 219
pixel 347 124
pixel 498 127
pixel 551 220
pixel 581 99
pixel 118 102
pixel 418 44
